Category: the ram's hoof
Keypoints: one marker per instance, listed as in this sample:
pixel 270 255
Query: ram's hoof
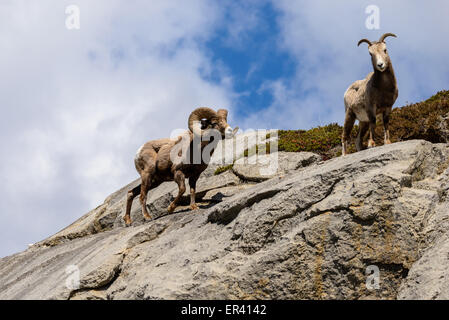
pixel 127 221
pixel 146 216
pixel 194 207
pixel 371 144
pixel 387 141
pixel 171 208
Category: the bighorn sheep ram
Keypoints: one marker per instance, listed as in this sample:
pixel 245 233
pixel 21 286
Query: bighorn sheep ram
pixel 373 95
pixel 176 160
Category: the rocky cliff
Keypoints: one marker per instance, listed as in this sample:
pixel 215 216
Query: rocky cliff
pixel 312 230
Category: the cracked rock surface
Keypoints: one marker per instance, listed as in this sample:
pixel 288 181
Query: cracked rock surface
pixel 309 232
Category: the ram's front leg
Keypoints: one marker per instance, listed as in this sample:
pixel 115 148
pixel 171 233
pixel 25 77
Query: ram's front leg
pixel 180 180
pixel 386 121
pixel 192 183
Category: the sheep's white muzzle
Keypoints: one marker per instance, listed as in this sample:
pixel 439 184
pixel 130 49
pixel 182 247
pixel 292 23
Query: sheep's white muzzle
pixel 381 66
pixel 228 133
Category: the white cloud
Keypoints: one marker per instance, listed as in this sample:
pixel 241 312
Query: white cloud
pixel 76 104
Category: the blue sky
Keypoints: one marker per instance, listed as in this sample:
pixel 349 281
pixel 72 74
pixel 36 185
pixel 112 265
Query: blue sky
pixel 77 104
pixel 253 58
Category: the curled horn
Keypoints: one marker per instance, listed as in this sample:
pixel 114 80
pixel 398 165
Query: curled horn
pixel 381 39
pixel 364 40
pixel 196 116
pixel 222 113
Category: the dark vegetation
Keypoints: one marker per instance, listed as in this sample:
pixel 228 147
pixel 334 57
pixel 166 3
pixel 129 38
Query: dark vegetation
pixel 427 120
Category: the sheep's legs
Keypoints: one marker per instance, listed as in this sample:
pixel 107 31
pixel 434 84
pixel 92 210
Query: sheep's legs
pixel 180 180
pixel 372 128
pixel 129 201
pixel 347 128
pixel 145 186
pixel 363 127
pixel 386 121
pixel 192 183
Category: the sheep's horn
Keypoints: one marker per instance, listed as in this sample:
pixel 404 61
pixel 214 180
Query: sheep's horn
pixel 381 39
pixel 222 113
pixel 196 116
pixel 364 40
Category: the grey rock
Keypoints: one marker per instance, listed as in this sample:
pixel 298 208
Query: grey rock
pixel 429 276
pixel 307 234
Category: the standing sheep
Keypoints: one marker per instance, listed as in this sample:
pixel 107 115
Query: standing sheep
pixel 373 95
pixel 176 160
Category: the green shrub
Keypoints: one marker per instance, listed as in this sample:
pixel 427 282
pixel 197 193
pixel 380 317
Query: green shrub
pixel 223 169
pixel 325 140
pixel 257 149
pixel 428 120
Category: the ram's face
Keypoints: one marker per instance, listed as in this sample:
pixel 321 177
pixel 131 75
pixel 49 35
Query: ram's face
pixel 221 124
pixel 216 123
pixel 379 56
